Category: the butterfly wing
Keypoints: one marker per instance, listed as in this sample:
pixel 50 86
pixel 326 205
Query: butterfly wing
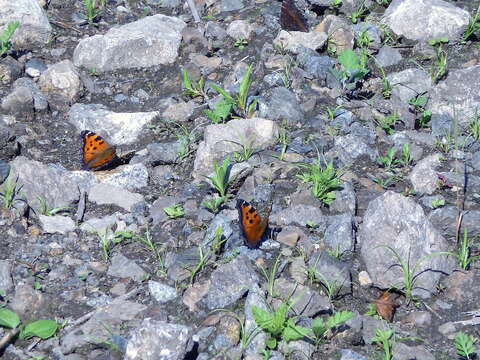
pixel 97 153
pixel 291 18
pixel 252 224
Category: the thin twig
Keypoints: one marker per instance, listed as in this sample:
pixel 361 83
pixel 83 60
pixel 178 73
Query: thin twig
pixel 9 336
pixel 193 8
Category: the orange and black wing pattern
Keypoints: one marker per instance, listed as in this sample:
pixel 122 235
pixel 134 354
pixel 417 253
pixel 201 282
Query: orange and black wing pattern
pixel 252 224
pixel 97 153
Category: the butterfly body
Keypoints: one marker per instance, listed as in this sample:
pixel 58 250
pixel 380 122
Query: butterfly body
pixel 98 154
pixel 253 225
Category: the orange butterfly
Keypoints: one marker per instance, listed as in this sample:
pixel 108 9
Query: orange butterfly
pixel 252 224
pixel 97 153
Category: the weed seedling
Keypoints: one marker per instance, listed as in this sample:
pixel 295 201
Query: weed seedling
pixel 474 126
pixel 214 204
pixel 335 3
pixel 47 210
pixel 353 69
pixel 284 140
pixel 324 180
pixel 10 192
pixel 387 123
pixel 221 112
pixel 174 211
pixel 245 154
pixel 385 339
pixel 278 325
pixel 94 9
pixel 386 85
pixel 193 88
pixel 147 240
pixel 439 67
pixel 465 345
pixel 473 26
pixel 6 36
pixel 389 160
pixel 359 13
pixel 241 43
pixel 271 276
pixel 437 203
pixel 221 178
pixel 364 39
pixel 406 158
pixel 320 327
pixel 463 252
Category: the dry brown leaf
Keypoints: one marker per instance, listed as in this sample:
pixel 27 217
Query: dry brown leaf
pixel 385 306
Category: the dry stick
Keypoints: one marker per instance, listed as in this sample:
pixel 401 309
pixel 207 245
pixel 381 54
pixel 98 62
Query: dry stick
pixel 461 203
pixel 81 206
pixel 8 337
pixel 191 4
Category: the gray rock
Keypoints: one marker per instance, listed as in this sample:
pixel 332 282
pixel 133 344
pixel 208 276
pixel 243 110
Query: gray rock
pixel 299 215
pixel 240 29
pixel 122 267
pixel 475 162
pixel 445 219
pixel 100 225
pixel 35 67
pixel 157 211
pixel 164 153
pixel 39 99
pixel 109 194
pixel 19 102
pixel 161 292
pixel 6 283
pixel 424 20
pixel 179 112
pixel 388 56
pixel 402 351
pixel 56 224
pixel 351 355
pixel 159 340
pixel 220 140
pixel 106 319
pixel 282 104
pixel 409 83
pixel 295 41
pixel 131 177
pixel 370 325
pixel 10 70
pixel 153 40
pixel 350 147
pixel 442 125
pixel 34 30
pixel 118 128
pixel 458 95
pixel 164 174
pixel 61 80
pixel 339 32
pixel 230 282
pixel 164 3
pixel 424 176
pixel 231 5
pixel 26 301
pixel 332 270
pixel 52 184
pixel 340 233
pixel 4 171
pixel 308 302
pixel 316 66
pixel 427 201
pixel 399 222
pixel 345 200
pixel 215 31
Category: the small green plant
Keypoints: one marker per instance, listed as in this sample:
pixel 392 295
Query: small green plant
pixel 385 339
pixel 109 239
pixel 47 210
pixel 185 138
pixel 278 325
pixel 465 345
pixel 331 288
pixel 333 112
pixel 94 9
pixel 214 203
pixel 463 252
pixel 473 26
pixel 221 112
pixel 246 334
pixel 410 273
pixel 271 276
pixel 148 241
pixel 388 36
pixel 439 67
pixel 359 13
pixel 387 123
pixel 193 88
pixel 353 69
pixel 284 140
pixel 386 85
pixel 335 3
pixel 324 180
pixel 389 161
pixel 240 100
pixel 364 39
pixel 474 126
pixel 245 154
pixel 43 329
pixel 320 328
pixel 241 43
pixel 221 179
pixel 437 203
pixel 417 105
pixel 10 192
pixel 174 211
pixel 406 158
pixel 200 265
pixel 385 182
pixel 6 36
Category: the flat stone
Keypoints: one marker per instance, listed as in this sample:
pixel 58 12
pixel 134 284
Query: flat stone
pixel 56 224
pixel 122 267
pixel 110 194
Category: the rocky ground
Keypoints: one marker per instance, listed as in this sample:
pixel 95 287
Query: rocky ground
pixel 358 138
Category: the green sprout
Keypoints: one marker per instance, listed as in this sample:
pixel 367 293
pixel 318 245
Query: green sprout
pixel 6 36
pixel 465 345
pixel 324 180
pixel 174 211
